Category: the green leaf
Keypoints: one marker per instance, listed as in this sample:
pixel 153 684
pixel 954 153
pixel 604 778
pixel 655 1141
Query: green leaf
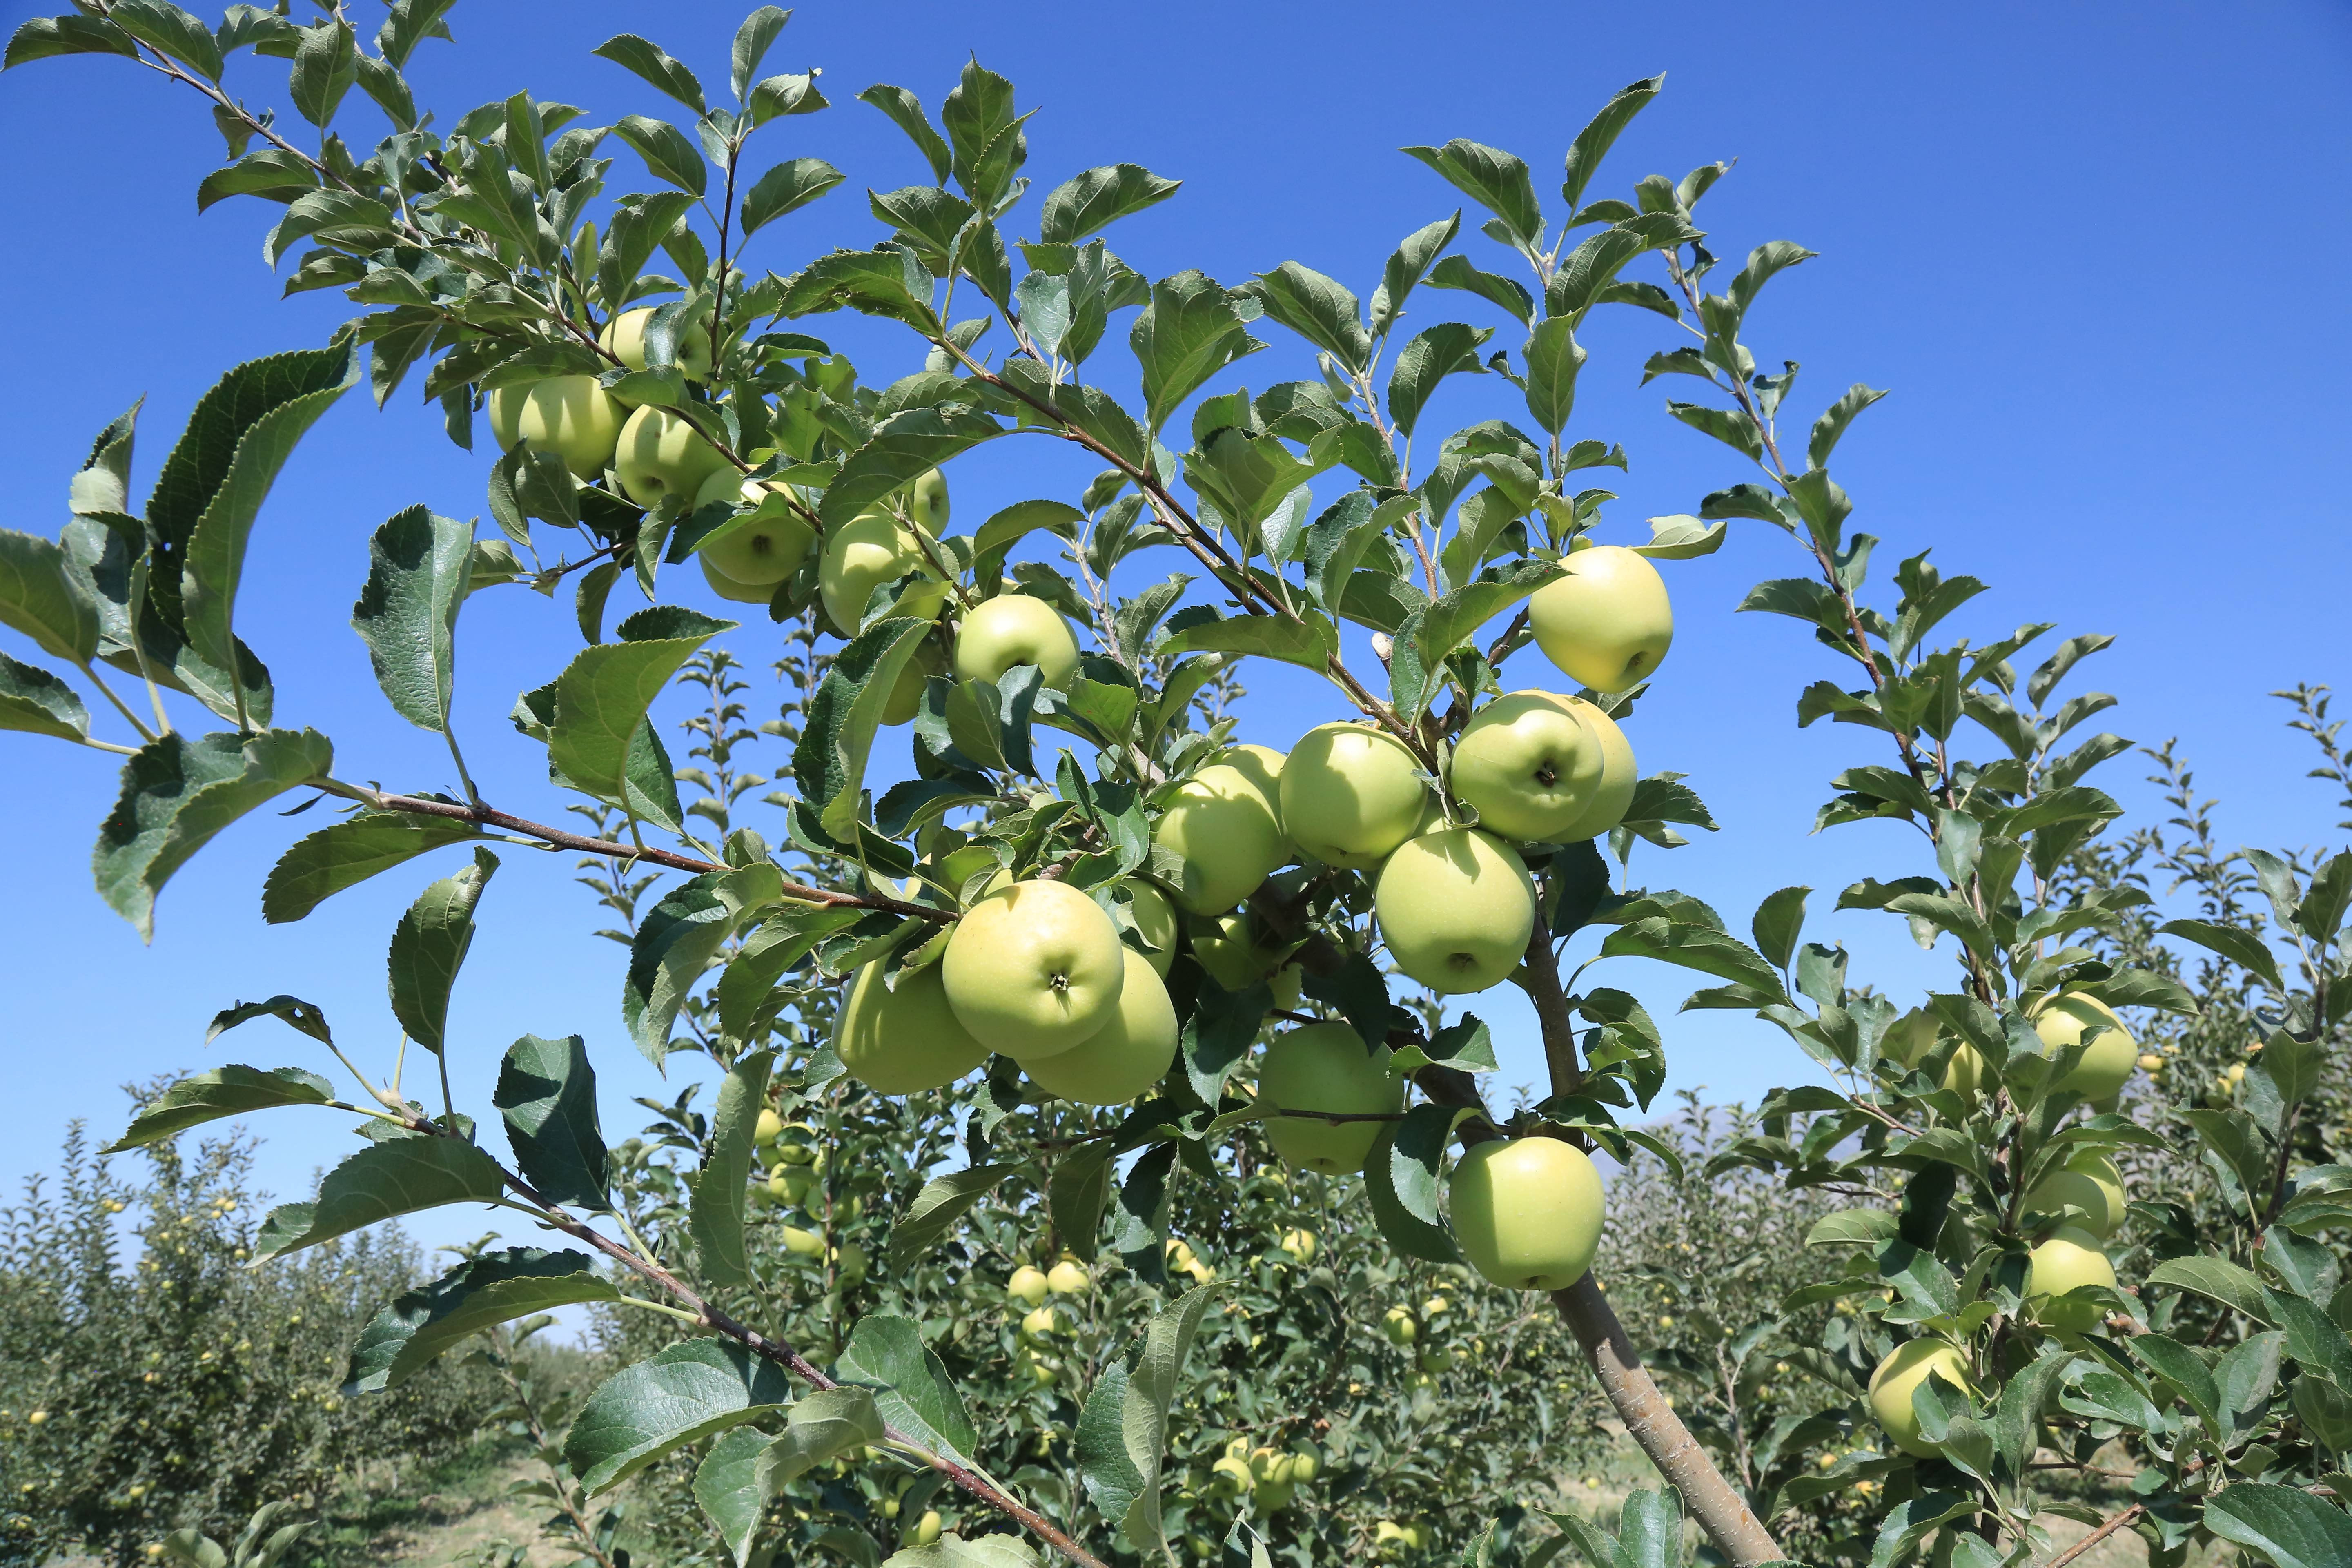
pixel 1457 272
pixel 170 31
pixel 1432 356
pixel 649 61
pixel 1779 920
pixel 39 598
pixel 546 1094
pixel 905 112
pixel 786 188
pixel 35 701
pixel 1187 333
pixel 900 449
pixel 325 66
pixel 1006 528
pixel 221 1092
pixel 1406 266
pixel 1696 947
pixel 44 38
pixel 943 1201
pixel 1309 642
pixel 601 699
pixel 1587 274
pixel 671 949
pixel 716 1216
pixel 954 1552
pixel 760 29
pixel 393 1176
pixel 821 1424
pixel 910 1386
pixel 829 763
pixel 429 945
pixel 1318 309
pixel 983 133
pixel 1601 132
pixel 295 1013
pixel 2217 1279
pixel 669 153
pixel 419 566
pixel 1096 198
pixel 1123 1431
pixel 728 1485
pixel 2285 1526
pixel 685 1392
pixel 178 793
pixel 1077 1193
pixel 1406 1231
pixel 1553 359
pixel 1831 426
pixel 1684 538
pixel 494 1287
pixel 324 863
pixel 1494 179
pixel 1868 1227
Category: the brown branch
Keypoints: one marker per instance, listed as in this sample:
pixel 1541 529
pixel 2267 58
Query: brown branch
pixel 2128 1517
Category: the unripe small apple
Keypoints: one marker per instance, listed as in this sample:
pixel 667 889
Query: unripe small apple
pixel 624 338
pixel 1218 823
pixel 1155 922
pixel 1043 1323
pixel 870 550
pixel 1180 1254
pixel 1615 790
pixel 769 1128
pixel 1305 1465
pixel 1351 793
pixel 1606 621
pixel 903 1041
pixel 2065 1020
pixel 1012 629
pixel 2069 1259
pixel 1908 1366
pixel 926 502
pixel 1527 1212
pixel 1530 766
pixel 1299 1244
pixel 802 1243
pixel 1400 1326
pixel 572 417
pixel 1242 954
pixel 1272 1497
pixel 1964 1074
pixel 758 552
pixel 1035 969
pixel 926 1529
pixel 1124 1057
pixel 849 1262
pixel 2091 1183
pixel 662 457
pixel 1027 1286
pixel 1069 1277
pixel 1456 907
pixel 1230 1477
pixel 795 1154
pixel 1325 1068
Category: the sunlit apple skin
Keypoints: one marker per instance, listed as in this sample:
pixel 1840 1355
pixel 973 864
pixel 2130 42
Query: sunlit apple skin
pixel 1350 793
pixel 1531 766
pixel 1126 1056
pixel 570 415
pixel 861 555
pixel 1324 1067
pixel 726 588
pixel 926 502
pixel 1262 765
pixel 1217 821
pixel 763 552
pixel 661 456
pixel 1964 1074
pixel 914 676
pixel 2091 1182
pixel 2069 1259
pixel 1607 621
pixel 1035 969
pixel 2062 1020
pixel 1615 790
pixel 1012 629
pixel 1904 1369
pixel 1241 954
pixel 624 338
pixel 1456 907
pixel 1155 922
pixel 1527 1211
pixel 905 1040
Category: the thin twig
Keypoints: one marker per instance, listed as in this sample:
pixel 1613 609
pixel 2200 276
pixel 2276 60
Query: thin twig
pixel 2122 1521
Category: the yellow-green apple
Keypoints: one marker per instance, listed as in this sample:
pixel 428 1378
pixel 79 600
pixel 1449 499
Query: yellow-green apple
pixel 2090 1182
pixel 1325 1068
pixel 1027 1286
pixel 1456 907
pixel 1218 824
pixel 1530 765
pixel 1964 1074
pixel 1012 629
pixel 1605 621
pixel 1399 1326
pixel 1069 1277
pixel 572 417
pixel 1910 1365
pixel 1527 1212
pixel 1350 793
pixel 1035 969
pixel 1242 952
pixel 1262 765
pixel 624 338
pixel 907 694
pixel 1126 1055
pixel 2068 1019
pixel 2068 1260
pixel 901 1041
pixel 726 588
pixel 662 457
pixel 926 502
pixel 759 550
pixel 861 555
pixel 1155 922
pixel 1615 792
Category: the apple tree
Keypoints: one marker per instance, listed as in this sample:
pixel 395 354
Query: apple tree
pixel 1139 941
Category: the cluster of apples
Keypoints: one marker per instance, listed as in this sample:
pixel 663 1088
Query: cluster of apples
pixel 793 1167
pixel 1267 1476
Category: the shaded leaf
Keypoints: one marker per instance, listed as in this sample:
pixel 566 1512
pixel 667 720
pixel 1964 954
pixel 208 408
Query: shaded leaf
pixel 684 1392
pixel 393 1176
pixel 494 1287
pixel 221 1092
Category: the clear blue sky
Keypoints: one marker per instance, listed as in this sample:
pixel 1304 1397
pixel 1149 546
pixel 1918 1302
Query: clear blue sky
pixel 2098 252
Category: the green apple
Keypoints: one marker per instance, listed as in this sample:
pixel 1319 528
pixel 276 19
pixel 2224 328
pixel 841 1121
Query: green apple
pixel 624 338
pixel 1242 952
pixel 914 676
pixel 1531 766
pixel 759 550
pixel 901 1041
pixel 1325 1068
pixel 1527 1212
pixel 1909 1037
pixel 1964 1074
pixel 1910 1364
pixel 661 457
pixel 1350 793
pixel 1218 823
pixel 1456 907
pixel 1262 765
pixel 1069 1277
pixel 926 502
pixel 1155 922
pixel 726 588
pixel 861 555
pixel 2068 1019
pixel 1126 1056
pixel 1617 775
pixel 1027 1286
pixel 1400 1326
pixel 570 416
pixel 1605 621
pixel 2088 1180
pixel 2070 1260
pixel 1035 969
pixel 1012 629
